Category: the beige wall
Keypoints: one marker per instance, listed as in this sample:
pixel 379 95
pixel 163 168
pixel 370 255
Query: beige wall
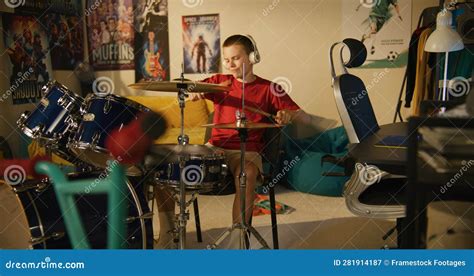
pixel 293 37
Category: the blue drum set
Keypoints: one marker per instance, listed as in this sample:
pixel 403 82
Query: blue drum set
pixel 75 129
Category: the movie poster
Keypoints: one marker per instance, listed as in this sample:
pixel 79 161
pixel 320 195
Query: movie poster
pixel 30 65
pixel 65 40
pixel 201 43
pixel 110 34
pixel 384 26
pixel 152 43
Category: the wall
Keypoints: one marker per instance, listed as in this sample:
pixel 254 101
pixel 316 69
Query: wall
pixel 293 37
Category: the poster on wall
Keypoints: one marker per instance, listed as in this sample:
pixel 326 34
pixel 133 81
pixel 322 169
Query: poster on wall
pixel 26 44
pixel 152 61
pixel 110 34
pixel 384 26
pixel 39 7
pixel 65 40
pixel 201 43
pixel 146 10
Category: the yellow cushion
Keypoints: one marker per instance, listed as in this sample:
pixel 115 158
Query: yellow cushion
pixel 155 103
pixel 196 136
pixel 210 106
pixel 195 114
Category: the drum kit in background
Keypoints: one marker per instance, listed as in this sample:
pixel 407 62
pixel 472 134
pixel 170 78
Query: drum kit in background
pixel 75 129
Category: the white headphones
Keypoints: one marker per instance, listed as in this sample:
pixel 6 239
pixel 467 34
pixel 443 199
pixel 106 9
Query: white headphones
pixel 254 56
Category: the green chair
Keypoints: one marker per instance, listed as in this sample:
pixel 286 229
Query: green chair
pixel 114 185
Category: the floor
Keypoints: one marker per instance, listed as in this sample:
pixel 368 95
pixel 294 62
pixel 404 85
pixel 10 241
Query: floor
pixel 318 222
pixel 321 222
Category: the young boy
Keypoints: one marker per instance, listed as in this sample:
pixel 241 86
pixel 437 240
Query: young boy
pixel 240 52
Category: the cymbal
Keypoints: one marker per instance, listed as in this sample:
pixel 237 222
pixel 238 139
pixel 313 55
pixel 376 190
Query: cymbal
pixel 247 125
pixel 174 86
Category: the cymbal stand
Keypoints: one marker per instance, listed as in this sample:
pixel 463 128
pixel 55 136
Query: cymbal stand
pixel 183 139
pixel 242 226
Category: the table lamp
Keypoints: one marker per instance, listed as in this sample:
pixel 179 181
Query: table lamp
pixel 444 39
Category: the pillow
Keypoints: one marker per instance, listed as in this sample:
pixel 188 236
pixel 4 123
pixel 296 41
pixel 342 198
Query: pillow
pixel 304 173
pixel 195 113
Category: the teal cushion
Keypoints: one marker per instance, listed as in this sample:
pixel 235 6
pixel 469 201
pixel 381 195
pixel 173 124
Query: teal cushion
pixel 304 159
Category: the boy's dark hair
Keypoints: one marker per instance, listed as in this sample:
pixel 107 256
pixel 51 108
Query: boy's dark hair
pixel 239 40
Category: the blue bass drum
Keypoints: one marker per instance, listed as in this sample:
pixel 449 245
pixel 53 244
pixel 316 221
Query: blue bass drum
pixel 46 224
pixel 56 115
pixel 101 116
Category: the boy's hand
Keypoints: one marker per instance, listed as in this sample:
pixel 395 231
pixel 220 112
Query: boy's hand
pixel 195 96
pixel 283 117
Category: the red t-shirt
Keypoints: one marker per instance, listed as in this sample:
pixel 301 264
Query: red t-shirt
pixel 258 94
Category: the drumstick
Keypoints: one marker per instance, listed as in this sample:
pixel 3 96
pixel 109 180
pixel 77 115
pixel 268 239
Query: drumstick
pixel 261 112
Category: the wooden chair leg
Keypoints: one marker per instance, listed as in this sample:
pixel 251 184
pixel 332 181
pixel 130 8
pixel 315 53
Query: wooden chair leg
pixel 198 220
pixel 271 194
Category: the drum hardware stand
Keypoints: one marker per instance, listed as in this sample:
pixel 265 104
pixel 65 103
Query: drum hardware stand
pixel 183 139
pixel 38 187
pixel 183 216
pixel 42 239
pixel 148 215
pixel 242 226
pixel 48 146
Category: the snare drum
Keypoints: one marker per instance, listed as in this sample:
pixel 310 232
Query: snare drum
pixel 101 116
pixel 46 226
pixel 55 116
pixel 204 168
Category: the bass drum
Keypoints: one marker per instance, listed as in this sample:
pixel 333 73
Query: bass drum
pixel 47 227
pixel 14 232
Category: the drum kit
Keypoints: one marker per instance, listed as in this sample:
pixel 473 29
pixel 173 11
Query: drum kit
pixel 75 129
